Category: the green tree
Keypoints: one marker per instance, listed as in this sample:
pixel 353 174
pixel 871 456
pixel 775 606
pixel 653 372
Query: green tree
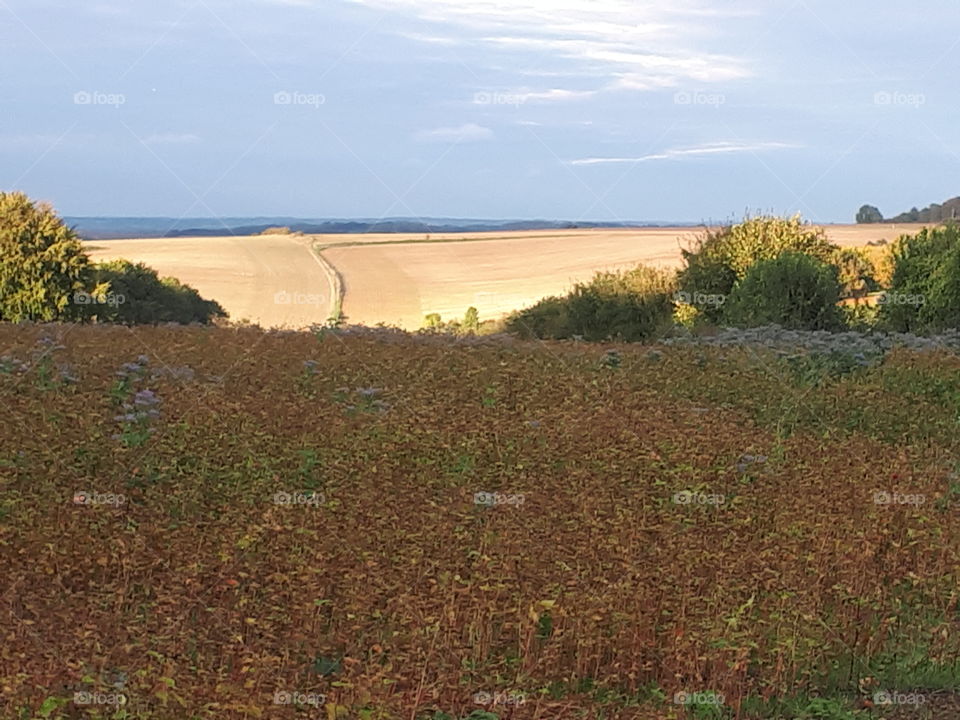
pixel 869 214
pixel 924 293
pixel 793 290
pixel 137 295
pixel 42 263
pixel 718 259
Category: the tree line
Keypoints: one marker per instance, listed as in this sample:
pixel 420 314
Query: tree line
pixel 933 213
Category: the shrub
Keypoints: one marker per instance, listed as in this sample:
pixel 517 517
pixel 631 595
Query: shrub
pixel 41 262
pixel 471 320
pixel 856 272
pixel 793 290
pixel 718 259
pixel 861 317
pixel 280 231
pixel 924 293
pixel 629 306
pixel 549 318
pixel 433 321
pixel 139 296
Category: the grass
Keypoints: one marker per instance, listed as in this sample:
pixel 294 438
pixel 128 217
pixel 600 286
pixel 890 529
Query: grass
pixel 336 307
pixel 381 586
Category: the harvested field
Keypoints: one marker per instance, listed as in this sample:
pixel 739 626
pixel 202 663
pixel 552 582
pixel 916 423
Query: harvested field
pixel 273 280
pixel 401 283
pixel 398 279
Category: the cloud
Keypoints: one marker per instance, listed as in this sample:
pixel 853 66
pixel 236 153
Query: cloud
pixel 627 45
pixel 432 39
pixel 171 139
pixel 719 148
pixel 557 94
pixel 465 133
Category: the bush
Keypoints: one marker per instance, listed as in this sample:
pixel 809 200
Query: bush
pixel 433 321
pixel 924 292
pixel 434 324
pixel 856 272
pixel 793 290
pixel 281 231
pixel 137 295
pixel 42 263
pixel 720 258
pixel 471 320
pixel 628 306
pixel 549 318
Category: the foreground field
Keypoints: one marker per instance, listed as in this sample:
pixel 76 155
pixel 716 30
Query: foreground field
pixel 238 521
pixel 398 279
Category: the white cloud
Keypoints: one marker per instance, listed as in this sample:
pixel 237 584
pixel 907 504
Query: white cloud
pixel 171 139
pixel 719 148
pixel 432 39
pixel 626 44
pixel 557 94
pixel 465 133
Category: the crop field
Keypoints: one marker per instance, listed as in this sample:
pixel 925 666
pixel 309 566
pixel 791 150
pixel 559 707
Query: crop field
pixel 274 280
pixel 232 523
pixel 398 279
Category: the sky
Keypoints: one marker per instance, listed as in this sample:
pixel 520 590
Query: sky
pixel 600 110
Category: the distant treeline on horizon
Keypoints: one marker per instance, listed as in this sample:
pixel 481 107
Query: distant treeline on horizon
pixel 106 228
pixel 933 213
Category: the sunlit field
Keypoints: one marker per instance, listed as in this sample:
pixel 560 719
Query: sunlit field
pixel 399 279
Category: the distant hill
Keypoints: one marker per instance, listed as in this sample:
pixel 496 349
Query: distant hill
pixel 948 210
pixel 106 228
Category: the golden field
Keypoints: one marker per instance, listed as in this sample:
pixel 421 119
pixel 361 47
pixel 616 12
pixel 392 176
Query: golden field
pixel 398 279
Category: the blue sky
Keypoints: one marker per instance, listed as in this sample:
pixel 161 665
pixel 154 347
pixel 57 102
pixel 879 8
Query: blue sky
pixel 565 109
